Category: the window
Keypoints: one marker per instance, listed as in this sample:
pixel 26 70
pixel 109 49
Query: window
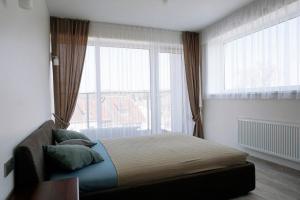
pixel 129 90
pixel 171 86
pixel 165 91
pixel 265 59
pixel 125 88
pixel 254 54
pixel 84 117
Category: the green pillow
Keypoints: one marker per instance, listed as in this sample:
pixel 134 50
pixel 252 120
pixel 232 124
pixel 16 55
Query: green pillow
pixel 61 135
pixel 86 143
pixel 71 157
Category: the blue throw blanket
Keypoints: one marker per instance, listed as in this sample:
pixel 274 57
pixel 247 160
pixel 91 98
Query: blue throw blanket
pixel 94 177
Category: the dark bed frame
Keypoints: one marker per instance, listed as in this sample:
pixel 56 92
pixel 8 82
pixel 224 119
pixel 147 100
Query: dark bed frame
pixel 30 169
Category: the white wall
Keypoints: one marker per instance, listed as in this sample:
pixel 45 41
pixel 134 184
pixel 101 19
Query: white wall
pixel 24 77
pixel 220 120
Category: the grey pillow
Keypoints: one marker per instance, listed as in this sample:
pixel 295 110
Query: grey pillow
pixel 61 135
pixel 87 143
pixel 70 157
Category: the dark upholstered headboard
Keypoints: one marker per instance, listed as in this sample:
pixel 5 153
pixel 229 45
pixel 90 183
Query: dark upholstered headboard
pixel 29 157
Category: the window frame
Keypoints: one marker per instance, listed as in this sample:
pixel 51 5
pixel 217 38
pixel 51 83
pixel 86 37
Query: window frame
pixel 258 91
pixel 154 109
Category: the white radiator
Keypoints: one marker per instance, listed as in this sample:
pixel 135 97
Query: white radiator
pixel 276 138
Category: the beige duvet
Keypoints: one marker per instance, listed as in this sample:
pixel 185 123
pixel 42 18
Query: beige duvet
pixel 145 159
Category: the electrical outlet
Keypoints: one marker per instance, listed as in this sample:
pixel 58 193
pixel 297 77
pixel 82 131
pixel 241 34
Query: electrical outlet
pixel 8 167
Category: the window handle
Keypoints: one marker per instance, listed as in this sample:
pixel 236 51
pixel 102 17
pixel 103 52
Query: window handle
pixel 102 99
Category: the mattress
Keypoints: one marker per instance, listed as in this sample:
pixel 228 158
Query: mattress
pixel 140 160
pixel 146 159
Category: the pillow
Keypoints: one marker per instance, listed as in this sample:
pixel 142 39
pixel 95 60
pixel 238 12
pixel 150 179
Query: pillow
pixel 70 157
pixel 61 135
pixel 86 143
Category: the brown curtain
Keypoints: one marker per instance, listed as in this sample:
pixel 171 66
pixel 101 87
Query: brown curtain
pixel 193 77
pixel 68 43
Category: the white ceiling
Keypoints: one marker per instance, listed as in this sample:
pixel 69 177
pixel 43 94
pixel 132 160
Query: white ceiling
pixel 180 15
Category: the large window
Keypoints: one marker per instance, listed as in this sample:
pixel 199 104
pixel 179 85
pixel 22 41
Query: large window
pixel 129 91
pixel 265 59
pixel 255 53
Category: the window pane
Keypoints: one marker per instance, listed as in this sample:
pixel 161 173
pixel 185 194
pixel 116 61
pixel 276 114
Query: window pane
pixel 124 69
pixel 125 88
pixel 84 113
pixel 88 78
pixel 79 118
pixel 165 91
pixel 265 59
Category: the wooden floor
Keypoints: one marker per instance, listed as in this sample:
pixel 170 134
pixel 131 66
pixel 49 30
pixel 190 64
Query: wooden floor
pixel 274 182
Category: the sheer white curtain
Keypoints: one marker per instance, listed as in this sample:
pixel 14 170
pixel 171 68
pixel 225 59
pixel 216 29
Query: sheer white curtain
pixel 133 83
pixel 254 53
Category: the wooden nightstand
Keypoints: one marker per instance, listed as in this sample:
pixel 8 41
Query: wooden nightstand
pixel 49 190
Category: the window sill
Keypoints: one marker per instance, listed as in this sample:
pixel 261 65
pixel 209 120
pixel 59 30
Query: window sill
pixel 293 94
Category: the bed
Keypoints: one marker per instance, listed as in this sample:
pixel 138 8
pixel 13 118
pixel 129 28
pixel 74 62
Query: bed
pixel 139 167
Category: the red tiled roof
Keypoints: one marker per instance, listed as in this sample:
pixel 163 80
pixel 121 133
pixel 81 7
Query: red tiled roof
pixel 115 109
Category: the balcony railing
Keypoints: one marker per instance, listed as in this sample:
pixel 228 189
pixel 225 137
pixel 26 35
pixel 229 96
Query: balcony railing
pixel 118 112
pixel 112 109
